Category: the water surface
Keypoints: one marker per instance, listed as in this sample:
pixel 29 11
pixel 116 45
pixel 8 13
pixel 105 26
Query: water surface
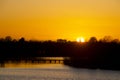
pixel 30 71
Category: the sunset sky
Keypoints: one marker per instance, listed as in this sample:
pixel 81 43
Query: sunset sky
pixel 53 19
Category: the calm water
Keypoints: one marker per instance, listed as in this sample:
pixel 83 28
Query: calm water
pixel 29 71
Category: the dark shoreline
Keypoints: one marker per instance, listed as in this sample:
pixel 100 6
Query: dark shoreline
pixel 92 54
pixel 91 65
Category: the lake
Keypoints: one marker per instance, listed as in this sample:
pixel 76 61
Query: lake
pixel 35 71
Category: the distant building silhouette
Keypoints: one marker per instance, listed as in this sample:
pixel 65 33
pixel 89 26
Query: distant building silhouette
pixel 61 40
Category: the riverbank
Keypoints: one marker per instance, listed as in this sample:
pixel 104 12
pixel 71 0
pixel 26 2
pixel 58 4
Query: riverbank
pixel 78 62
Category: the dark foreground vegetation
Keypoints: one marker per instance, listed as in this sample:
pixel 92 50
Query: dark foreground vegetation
pixel 102 54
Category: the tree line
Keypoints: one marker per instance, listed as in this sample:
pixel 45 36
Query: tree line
pixel 103 53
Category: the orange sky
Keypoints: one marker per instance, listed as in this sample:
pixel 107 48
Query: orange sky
pixel 53 19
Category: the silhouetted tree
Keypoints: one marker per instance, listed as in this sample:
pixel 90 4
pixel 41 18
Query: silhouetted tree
pixel 8 38
pixel 22 40
pixel 107 39
pixel 14 40
pixel 1 39
pixel 115 40
pixel 93 40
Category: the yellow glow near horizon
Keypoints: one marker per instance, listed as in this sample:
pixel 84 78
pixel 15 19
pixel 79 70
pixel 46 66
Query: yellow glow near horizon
pixel 80 39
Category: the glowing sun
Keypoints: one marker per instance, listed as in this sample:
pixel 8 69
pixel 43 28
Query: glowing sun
pixel 80 39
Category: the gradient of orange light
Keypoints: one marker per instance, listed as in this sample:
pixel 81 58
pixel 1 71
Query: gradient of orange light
pixel 52 21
